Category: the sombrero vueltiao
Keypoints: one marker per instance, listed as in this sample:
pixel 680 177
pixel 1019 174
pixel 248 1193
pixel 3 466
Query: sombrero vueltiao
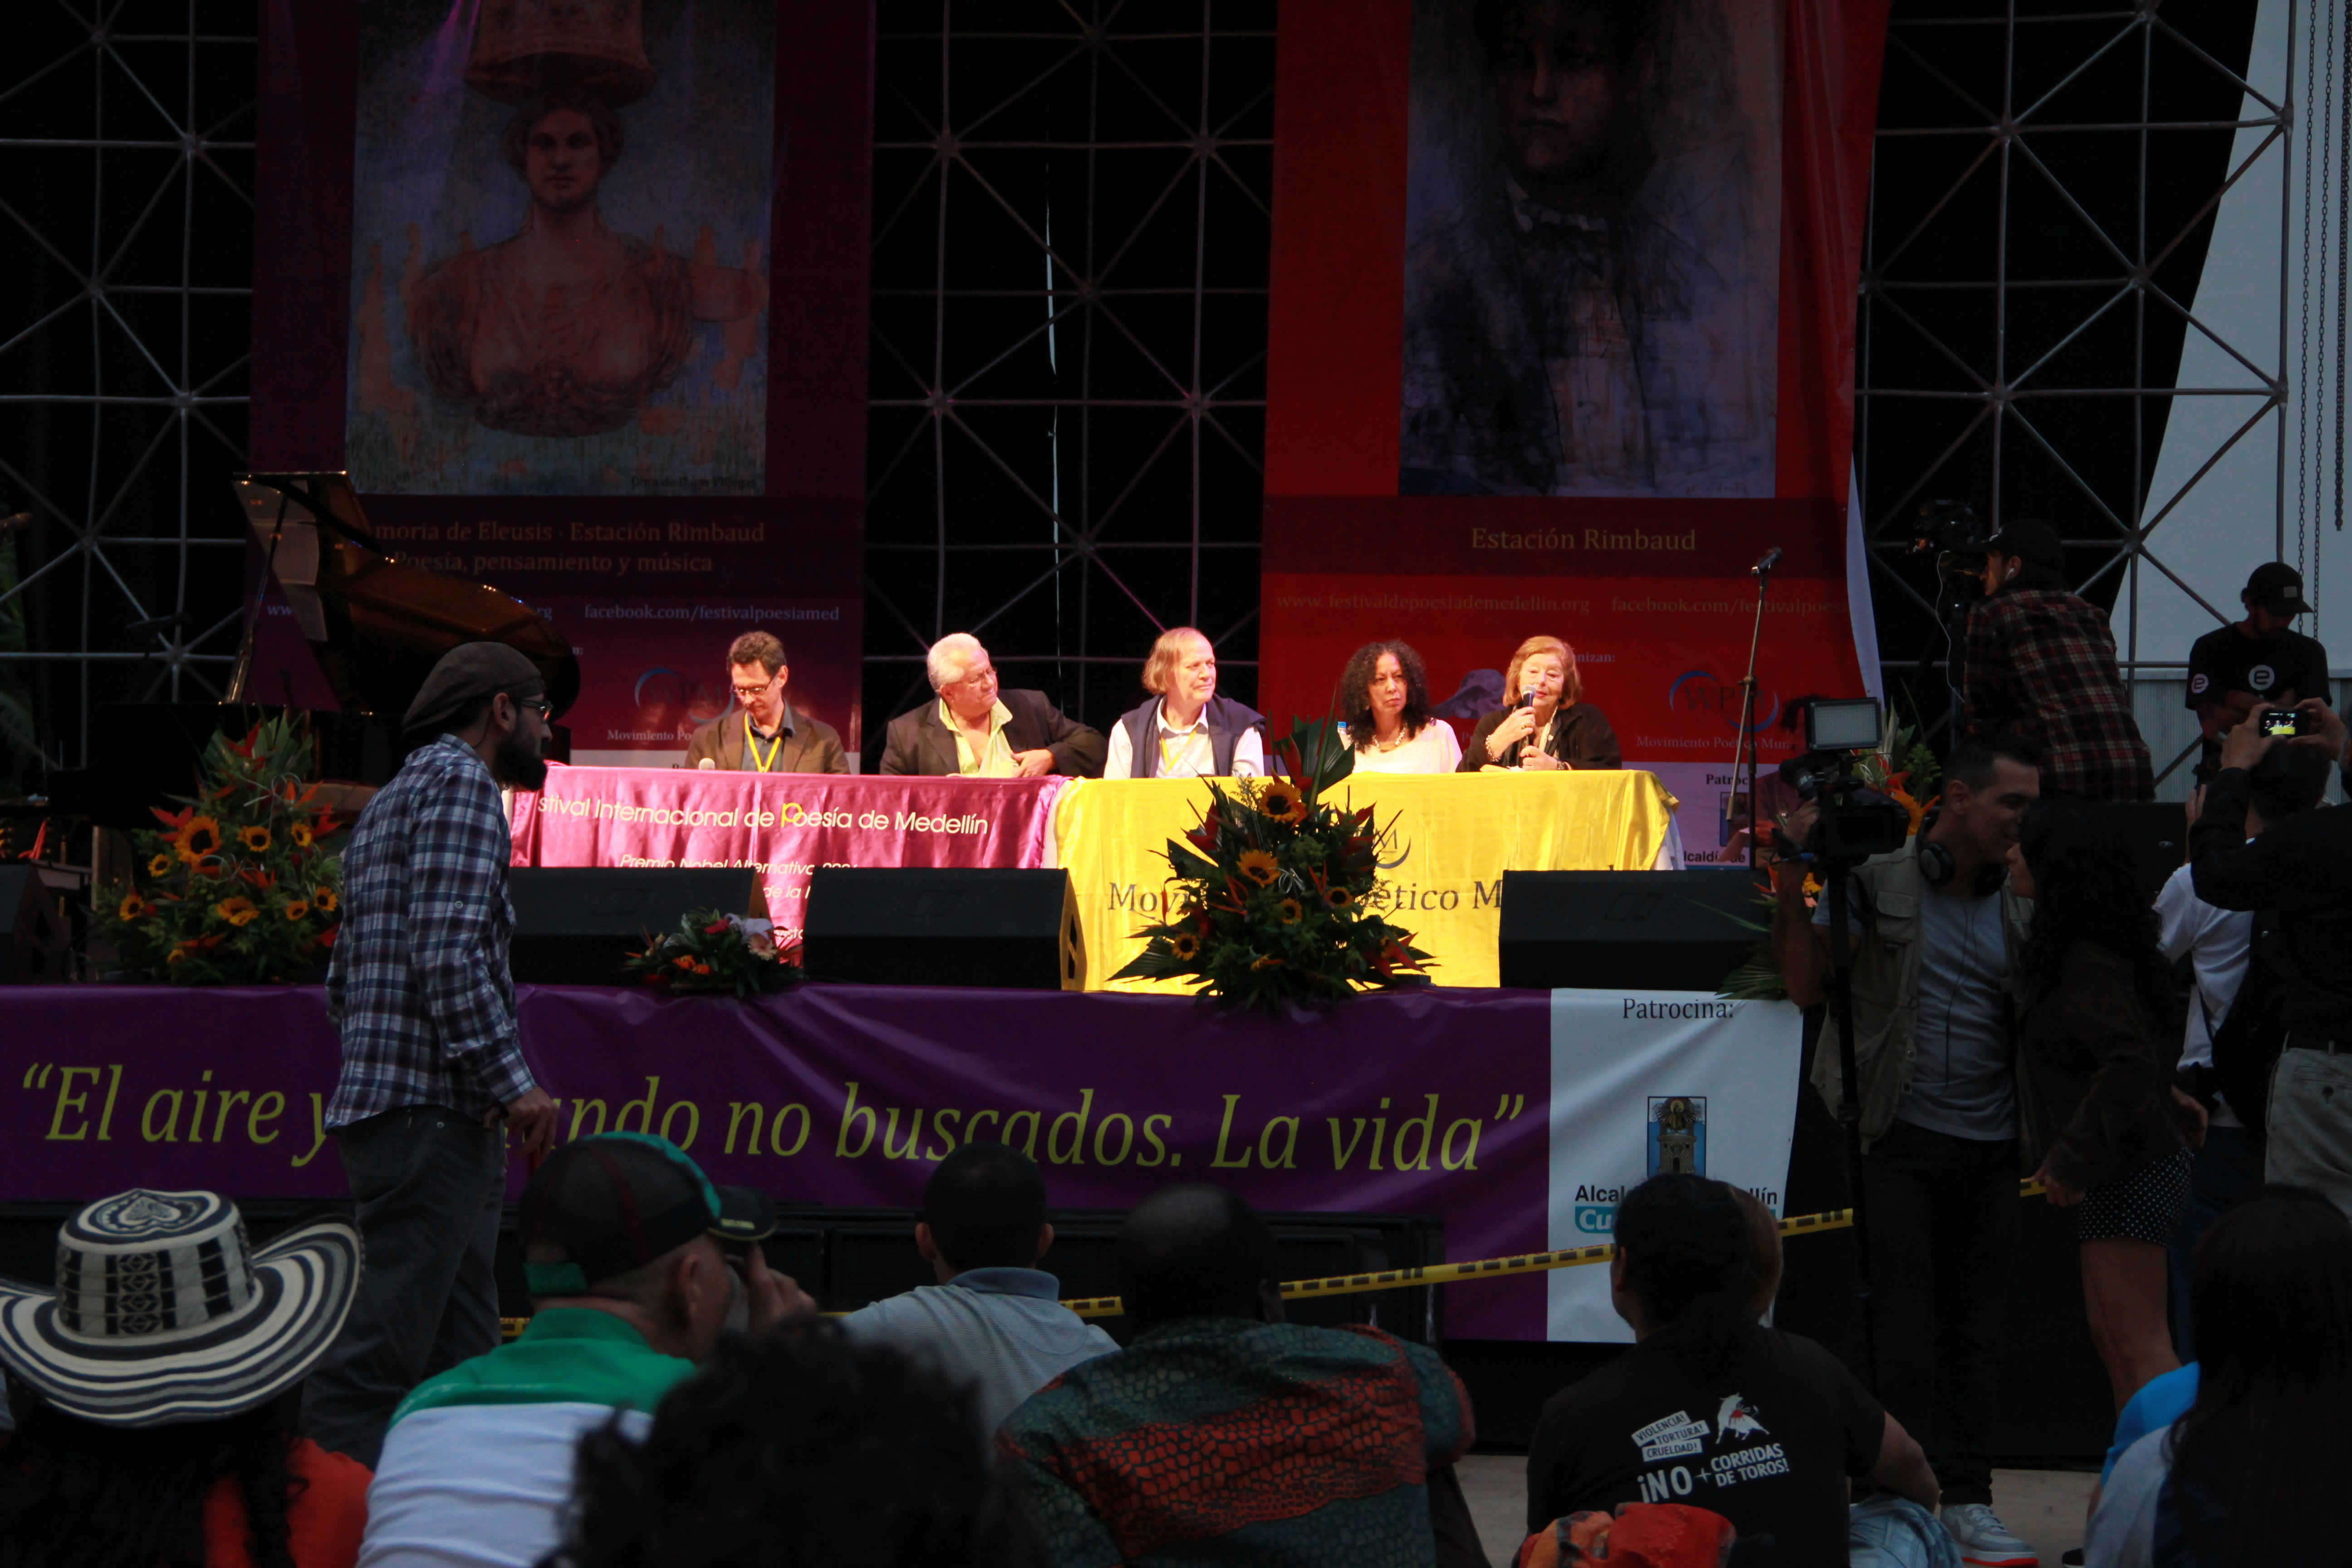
pixel 163 1312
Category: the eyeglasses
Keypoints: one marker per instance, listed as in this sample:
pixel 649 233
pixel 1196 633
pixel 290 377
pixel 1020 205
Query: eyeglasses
pixel 748 692
pixel 539 705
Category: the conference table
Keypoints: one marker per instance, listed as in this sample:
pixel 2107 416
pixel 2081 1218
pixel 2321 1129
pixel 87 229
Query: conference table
pixel 1446 840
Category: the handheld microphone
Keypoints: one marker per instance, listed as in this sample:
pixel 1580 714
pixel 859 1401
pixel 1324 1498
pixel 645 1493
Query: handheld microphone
pixel 1526 698
pixel 1764 565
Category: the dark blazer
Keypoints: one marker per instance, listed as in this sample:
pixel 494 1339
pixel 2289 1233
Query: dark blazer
pixel 810 746
pixel 1581 736
pixel 920 743
pixel 2094 1075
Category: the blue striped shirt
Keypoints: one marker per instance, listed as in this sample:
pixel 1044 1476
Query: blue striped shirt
pixel 419 987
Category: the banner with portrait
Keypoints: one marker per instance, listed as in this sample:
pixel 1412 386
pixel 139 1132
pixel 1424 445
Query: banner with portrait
pixel 576 292
pixel 1560 342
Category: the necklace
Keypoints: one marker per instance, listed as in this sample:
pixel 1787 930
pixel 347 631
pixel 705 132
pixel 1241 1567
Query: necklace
pixel 1380 745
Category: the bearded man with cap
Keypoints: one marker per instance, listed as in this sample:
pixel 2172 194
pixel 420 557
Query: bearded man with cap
pixel 2041 665
pixel 625 1252
pixel 433 1073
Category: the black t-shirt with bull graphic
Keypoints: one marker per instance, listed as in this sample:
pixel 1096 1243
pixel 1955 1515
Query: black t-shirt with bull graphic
pixel 1768 1442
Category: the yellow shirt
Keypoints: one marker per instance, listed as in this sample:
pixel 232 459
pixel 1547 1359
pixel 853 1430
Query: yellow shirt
pixel 996 761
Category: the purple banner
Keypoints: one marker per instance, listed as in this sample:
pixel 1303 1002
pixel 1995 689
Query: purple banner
pixel 1434 1103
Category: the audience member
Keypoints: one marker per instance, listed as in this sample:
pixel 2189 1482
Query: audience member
pixel 1938 929
pixel 1763 1427
pixel 2095 1084
pixel 767 735
pixel 797 1448
pixel 2301 869
pixel 621 1250
pixel 2227 1163
pixel 994 1319
pixel 1546 723
pixel 2252 1475
pixel 978 731
pixel 423 999
pixel 2040 663
pixel 2259 662
pixel 1223 1433
pixel 158 1425
pixel 1186 730
pixel 1384 701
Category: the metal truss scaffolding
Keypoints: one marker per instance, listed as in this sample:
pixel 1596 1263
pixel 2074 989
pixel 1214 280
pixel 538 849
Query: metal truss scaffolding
pixel 2046 181
pixel 126 218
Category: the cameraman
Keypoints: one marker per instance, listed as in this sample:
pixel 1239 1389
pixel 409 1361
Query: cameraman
pixel 1934 937
pixel 2040 663
pixel 2301 867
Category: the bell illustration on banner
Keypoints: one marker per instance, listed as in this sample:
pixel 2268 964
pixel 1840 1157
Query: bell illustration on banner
pixel 525 46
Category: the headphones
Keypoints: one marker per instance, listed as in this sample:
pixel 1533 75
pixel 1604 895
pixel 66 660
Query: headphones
pixel 1937 867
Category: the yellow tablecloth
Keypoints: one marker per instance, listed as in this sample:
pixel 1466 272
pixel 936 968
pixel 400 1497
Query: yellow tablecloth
pixel 1450 837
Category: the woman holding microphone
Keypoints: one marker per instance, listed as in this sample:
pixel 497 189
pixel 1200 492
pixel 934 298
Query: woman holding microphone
pixel 1547 724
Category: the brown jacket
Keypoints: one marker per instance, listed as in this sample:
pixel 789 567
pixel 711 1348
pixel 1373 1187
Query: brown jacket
pixel 920 743
pixel 1581 736
pixel 810 746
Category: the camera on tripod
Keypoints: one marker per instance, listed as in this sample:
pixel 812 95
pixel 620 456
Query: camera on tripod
pixel 1855 821
pixel 1961 542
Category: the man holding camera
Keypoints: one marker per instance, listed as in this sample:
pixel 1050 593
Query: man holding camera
pixel 1935 930
pixel 2259 662
pixel 2299 875
pixel 2041 664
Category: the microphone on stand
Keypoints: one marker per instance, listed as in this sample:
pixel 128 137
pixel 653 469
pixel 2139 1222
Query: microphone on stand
pixel 1765 563
pixel 706 764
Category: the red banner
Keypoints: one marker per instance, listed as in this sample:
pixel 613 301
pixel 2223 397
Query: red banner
pixel 784 825
pixel 1561 342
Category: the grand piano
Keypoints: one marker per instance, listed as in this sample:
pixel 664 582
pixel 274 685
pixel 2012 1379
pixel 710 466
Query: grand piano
pixel 375 625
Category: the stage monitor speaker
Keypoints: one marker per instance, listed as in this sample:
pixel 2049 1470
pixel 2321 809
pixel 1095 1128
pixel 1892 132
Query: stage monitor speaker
pixel 1625 931
pixel 1010 930
pixel 576 925
pixel 35 946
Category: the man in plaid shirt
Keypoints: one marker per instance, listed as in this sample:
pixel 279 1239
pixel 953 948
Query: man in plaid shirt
pixel 433 1070
pixel 2041 664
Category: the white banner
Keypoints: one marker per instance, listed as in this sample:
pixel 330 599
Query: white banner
pixel 1652 1081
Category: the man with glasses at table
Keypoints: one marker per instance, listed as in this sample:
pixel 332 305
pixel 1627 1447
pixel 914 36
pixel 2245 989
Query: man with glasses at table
pixel 980 732
pixel 766 736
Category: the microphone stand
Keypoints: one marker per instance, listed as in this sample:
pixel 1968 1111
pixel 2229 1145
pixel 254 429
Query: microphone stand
pixel 1746 745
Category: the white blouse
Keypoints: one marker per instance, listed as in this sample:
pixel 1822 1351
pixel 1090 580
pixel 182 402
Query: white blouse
pixel 1434 750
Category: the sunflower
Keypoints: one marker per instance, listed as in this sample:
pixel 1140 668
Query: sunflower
pixel 237 911
pixel 1185 946
pixel 1280 799
pixel 198 839
pixel 1259 866
pixel 1339 898
pixel 134 908
pixel 254 839
pixel 1291 913
pixel 159 867
pixel 302 836
pixel 324 898
pixel 297 909
pixel 177 955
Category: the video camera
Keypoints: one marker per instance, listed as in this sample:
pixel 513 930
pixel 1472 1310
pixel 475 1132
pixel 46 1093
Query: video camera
pixel 1855 822
pixel 1962 541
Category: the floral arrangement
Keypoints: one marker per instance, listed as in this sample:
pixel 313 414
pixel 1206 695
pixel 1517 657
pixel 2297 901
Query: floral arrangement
pixel 715 954
pixel 1903 770
pixel 1274 889
pixel 238 886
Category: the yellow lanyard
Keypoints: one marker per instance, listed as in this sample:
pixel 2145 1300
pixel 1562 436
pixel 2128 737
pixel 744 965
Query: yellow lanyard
pixel 751 744
pixel 1172 749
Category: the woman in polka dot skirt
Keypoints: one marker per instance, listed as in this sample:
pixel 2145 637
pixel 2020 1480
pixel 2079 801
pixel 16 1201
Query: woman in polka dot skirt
pixel 2095 1094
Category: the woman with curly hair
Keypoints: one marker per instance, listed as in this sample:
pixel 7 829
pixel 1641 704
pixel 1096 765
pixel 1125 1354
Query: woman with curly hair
pixel 1384 699
pixel 2096 1102
pixel 1545 723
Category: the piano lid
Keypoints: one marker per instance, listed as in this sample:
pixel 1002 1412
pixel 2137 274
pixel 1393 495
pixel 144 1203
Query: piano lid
pixel 378 626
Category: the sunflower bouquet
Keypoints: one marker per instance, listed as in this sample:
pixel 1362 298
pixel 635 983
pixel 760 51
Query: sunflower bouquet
pixel 715 954
pixel 238 886
pixel 1271 902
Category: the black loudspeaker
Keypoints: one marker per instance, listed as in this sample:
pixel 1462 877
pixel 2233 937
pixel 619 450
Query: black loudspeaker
pixel 1004 929
pixel 1625 931
pixel 576 925
pixel 34 943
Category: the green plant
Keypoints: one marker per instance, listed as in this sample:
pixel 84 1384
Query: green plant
pixel 1274 890
pixel 239 885
pixel 713 954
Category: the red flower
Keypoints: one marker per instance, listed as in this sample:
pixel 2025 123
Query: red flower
pixel 658 977
pixel 718 930
pixel 327 937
